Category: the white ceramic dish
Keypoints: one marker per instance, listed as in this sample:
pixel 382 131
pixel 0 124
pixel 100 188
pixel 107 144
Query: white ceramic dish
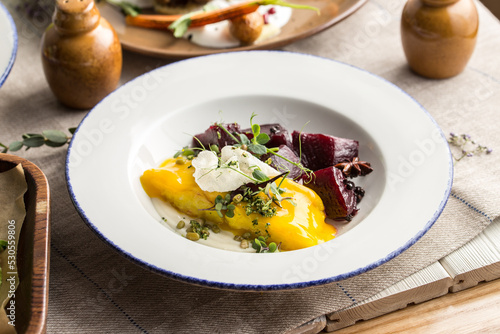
pixel 8 41
pixel 150 118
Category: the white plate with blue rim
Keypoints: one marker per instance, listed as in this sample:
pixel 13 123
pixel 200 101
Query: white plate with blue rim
pixel 8 41
pixel 150 118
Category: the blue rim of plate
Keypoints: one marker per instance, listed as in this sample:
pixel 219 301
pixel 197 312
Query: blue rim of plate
pixel 270 287
pixel 12 59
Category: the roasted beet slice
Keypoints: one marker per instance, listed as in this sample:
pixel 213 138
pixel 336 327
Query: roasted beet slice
pixel 278 135
pixel 215 135
pixel 330 184
pixel 320 151
pixel 282 165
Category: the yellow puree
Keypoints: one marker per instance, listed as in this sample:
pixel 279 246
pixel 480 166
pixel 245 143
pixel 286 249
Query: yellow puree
pixel 295 227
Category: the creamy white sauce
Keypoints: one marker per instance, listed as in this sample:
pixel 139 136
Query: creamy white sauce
pixel 222 240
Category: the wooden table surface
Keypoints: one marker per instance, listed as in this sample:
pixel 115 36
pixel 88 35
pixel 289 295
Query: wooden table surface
pixel 474 310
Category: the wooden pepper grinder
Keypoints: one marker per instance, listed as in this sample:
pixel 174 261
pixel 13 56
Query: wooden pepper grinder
pixel 439 36
pixel 81 54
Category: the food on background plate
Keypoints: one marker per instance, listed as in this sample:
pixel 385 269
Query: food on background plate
pixel 178 6
pixel 263 188
pixel 215 23
pixel 247 28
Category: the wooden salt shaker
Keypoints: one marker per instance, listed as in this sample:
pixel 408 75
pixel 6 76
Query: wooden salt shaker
pixel 81 54
pixel 439 36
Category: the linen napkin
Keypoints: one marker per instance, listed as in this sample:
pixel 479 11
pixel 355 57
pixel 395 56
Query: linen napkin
pixel 12 212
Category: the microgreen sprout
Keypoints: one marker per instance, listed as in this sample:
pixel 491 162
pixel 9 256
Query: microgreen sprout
pixel 257 144
pixel 223 206
pixel 271 189
pixel 52 138
pixel 261 246
pixel 467 146
pixel 188 152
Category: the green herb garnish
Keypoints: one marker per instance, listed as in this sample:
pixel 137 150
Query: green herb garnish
pixel 261 246
pixel 202 230
pixel 181 25
pixel 223 206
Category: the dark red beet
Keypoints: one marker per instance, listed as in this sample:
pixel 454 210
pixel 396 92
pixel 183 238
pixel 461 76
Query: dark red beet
pixel 282 165
pixel 215 135
pixel 278 135
pixel 340 202
pixel 321 151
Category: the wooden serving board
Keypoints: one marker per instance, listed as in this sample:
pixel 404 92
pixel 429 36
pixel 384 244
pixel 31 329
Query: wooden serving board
pixel 34 249
pixel 476 262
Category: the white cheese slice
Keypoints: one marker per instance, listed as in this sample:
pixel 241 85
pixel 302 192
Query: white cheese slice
pixel 233 170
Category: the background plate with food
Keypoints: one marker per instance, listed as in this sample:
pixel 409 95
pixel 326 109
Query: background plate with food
pixel 293 24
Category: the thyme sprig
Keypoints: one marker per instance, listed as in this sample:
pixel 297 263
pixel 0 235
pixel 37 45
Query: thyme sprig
pixel 52 138
pixel 467 146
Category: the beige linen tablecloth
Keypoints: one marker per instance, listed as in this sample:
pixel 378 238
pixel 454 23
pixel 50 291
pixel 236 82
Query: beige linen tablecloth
pixel 94 289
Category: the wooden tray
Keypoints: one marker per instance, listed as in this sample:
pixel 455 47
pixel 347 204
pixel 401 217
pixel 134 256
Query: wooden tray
pixel 34 249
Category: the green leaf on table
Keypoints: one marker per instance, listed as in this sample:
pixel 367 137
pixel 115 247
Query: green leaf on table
pixel 53 144
pixel 29 135
pixel 55 136
pixel 34 141
pixel 72 130
pixel 15 146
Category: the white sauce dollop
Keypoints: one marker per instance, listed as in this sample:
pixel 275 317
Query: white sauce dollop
pixel 234 169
